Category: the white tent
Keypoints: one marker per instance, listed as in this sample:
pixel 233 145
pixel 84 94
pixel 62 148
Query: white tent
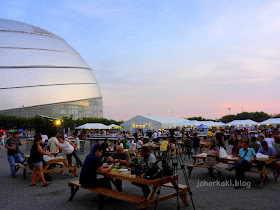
pixel 114 126
pixel 93 126
pixel 271 121
pixel 240 123
pixel 213 124
pixel 187 123
pixel 148 122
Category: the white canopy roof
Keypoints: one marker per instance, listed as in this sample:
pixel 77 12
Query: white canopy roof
pixel 220 124
pixel 272 121
pixel 93 126
pixel 242 123
pixel 213 124
pixel 113 126
pixel 187 123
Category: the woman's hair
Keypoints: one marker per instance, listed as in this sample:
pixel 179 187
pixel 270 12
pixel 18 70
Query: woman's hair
pixel 37 138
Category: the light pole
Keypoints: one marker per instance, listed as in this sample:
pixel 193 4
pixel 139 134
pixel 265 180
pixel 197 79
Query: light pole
pixel 229 110
pixel 171 112
pixel 242 107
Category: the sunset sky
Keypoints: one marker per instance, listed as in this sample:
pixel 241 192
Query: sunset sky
pixel 181 58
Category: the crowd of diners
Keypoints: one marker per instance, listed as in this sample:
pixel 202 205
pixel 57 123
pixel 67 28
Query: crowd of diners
pixel 242 143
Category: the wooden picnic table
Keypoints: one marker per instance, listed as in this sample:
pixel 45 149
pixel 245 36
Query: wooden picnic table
pixel 63 162
pixel 232 159
pixel 169 181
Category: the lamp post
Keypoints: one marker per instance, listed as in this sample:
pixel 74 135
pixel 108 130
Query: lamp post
pixel 171 112
pixel 242 107
pixel 229 110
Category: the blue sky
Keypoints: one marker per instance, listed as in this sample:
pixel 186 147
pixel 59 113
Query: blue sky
pixel 191 58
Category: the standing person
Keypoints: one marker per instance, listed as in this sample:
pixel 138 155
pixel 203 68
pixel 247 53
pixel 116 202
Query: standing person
pixel 52 144
pixel 92 164
pixel 36 157
pixel 140 143
pixel 196 144
pixel 14 155
pixel 76 141
pixel 220 138
pixel 2 138
pixel 69 149
pixel 211 159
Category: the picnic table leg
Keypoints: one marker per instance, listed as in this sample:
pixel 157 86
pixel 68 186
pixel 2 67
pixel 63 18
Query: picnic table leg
pixel 262 175
pixel 37 176
pixel 189 171
pixel 24 173
pixel 71 171
pixel 73 192
pixel 152 193
pixel 183 196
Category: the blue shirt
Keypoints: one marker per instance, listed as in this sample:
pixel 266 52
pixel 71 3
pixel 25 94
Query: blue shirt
pixel 250 154
pixel 271 151
pixel 91 151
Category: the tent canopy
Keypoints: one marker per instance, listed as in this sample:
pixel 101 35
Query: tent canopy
pixel 11 131
pixel 93 126
pixel 247 122
pixel 186 123
pixel 202 126
pixel 271 121
pixel 21 131
pixel 113 126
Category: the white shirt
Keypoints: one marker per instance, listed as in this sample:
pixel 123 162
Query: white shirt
pixel 154 136
pixel 44 138
pixel 65 136
pixel 139 144
pixel 66 147
pixel 131 145
pixel 159 134
pixel 77 143
pixel 53 143
pixel 269 141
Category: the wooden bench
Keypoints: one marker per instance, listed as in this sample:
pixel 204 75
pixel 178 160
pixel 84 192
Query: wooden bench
pixel 139 201
pixel 190 168
pixel 25 168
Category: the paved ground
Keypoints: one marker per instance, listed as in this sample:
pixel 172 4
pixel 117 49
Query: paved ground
pixel 16 193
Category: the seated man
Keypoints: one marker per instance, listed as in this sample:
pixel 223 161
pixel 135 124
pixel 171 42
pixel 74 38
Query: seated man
pixel 164 145
pixel 146 159
pixel 266 150
pixel 248 156
pixel 105 146
pixel 253 144
pixel 92 164
pixel 122 158
pixel 131 144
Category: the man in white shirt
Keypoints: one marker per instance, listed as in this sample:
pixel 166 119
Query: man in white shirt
pixel 77 141
pixel 140 143
pixel 154 136
pixel 53 143
pixel 44 138
pixel 269 140
pixel 65 136
pixel 132 144
pixel 159 133
pixel 2 139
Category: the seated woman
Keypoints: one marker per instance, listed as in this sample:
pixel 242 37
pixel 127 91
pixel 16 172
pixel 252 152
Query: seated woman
pixel 211 159
pixel 36 157
pixel 235 149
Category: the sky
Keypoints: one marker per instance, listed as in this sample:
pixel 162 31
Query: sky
pixel 180 58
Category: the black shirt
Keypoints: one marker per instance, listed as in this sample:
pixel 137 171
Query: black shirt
pixel 104 146
pixel 196 141
pixel 13 143
pixel 219 138
pixel 89 169
pixel 35 155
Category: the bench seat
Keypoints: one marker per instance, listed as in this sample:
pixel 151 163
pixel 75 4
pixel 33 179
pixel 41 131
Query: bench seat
pixel 140 201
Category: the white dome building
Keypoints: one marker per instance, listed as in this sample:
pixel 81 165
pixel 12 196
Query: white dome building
pixel 43 75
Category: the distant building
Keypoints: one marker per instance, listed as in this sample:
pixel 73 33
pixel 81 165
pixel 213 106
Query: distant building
pixel 42 75
pixel 148 122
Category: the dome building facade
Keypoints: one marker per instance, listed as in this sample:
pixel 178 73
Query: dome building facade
pixel 43 75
